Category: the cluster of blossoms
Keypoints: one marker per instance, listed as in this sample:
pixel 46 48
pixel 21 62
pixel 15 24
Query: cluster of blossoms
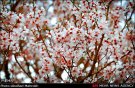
pixel 19 31
pixel 93 41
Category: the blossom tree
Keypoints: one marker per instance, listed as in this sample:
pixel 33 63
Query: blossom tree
pixel 87 41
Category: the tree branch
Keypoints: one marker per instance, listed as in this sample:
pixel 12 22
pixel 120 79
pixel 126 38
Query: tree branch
pixel 95 59
pixel 13 7
pixel 108 6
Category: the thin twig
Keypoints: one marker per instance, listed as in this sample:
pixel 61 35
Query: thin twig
pixel 23 69
pixel 44 42
pixel 125 54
